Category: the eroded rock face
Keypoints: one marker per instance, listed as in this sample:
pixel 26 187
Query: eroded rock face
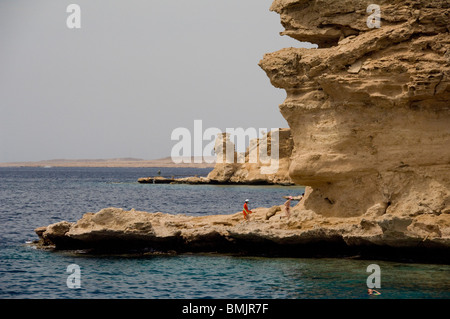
pixel 369 110
pixel 250 169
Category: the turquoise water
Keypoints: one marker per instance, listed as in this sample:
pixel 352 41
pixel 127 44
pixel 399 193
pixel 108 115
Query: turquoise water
pixel 35 197
pixel 29 273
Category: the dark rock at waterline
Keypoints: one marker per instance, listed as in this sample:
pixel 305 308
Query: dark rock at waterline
pixel 304 234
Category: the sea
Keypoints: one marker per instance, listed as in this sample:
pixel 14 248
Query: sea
pixel 39 196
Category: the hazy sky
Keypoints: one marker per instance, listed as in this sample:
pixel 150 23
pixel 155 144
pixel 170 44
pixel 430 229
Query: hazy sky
pixel 135 71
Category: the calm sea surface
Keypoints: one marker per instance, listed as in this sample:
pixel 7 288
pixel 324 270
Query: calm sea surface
pixel 33 197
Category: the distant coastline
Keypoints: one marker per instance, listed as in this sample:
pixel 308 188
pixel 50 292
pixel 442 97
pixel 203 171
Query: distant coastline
pixel 116 162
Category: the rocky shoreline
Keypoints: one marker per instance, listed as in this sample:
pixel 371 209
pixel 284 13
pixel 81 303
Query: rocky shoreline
pixel 205 180
pixel 269 233
pixel 245 172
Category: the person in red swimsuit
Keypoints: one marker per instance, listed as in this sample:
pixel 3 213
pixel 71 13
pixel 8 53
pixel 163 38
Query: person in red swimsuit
pixel 246 211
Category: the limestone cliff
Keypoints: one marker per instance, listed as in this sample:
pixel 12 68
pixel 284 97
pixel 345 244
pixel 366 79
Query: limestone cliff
pixel 250 169
pixel 369 110
pixel 256 166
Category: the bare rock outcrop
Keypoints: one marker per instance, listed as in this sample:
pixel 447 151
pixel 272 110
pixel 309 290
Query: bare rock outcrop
pixel 369 110
pixel 249 168
pixel 256 166
pixel 268 232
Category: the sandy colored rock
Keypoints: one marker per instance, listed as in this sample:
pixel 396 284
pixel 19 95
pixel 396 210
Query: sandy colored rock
pixel 251 169
pixel 243 168
pixel 114 229
pixel 55 234
pixel 369 109
pixel 114 224
pixel 272 211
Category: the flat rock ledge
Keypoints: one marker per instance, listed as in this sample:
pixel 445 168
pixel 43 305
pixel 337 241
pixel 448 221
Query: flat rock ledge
pixel 269 233
pixel 194 180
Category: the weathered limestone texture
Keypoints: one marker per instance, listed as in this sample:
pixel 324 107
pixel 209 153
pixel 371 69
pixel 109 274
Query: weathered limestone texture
pixel 369 110
pixel 251 168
